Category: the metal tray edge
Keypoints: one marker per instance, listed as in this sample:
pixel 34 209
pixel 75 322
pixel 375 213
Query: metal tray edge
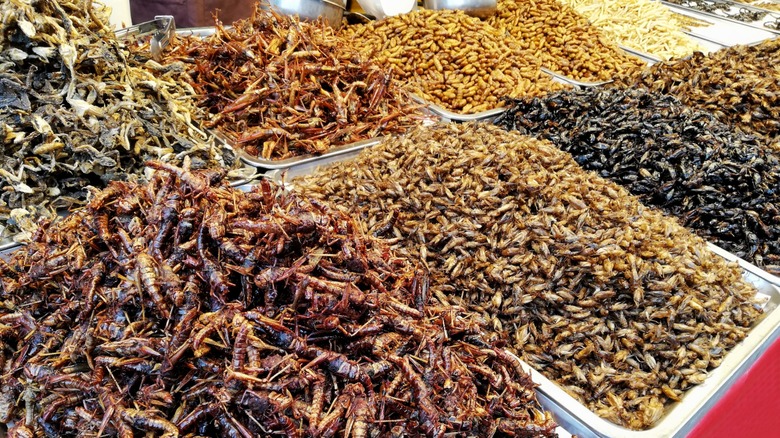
pixel 574 82
pixel 281 176
pixel 202 31
pixel 303 159
pixel 680 418
pixel 644 56
pixel 745 265
pixel 457 117
pixel 705 39
pixel 720 17
pixel 6 245
pixel 495 112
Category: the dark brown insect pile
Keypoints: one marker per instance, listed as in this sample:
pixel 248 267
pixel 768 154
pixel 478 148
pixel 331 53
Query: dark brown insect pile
pixel 184 307
pixel 76 111
pixel 280 87
pixel 722 184
pixel 620 305
pixel 740 85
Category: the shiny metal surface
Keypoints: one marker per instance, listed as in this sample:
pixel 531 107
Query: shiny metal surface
pixel 734 7
pixel 162 29
pixel 7 245
pixel 681 417
pixel 203 32
pixel 331 11
pixel 644 56
pixel 450 116
pixel 571 81
pixel 491 114
pixel 303 159
pixel 477 8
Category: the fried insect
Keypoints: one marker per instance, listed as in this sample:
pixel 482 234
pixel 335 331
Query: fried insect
pixel 77 110
pixel 732 84
pixel 181 338
pixel 716 180
pixel 609 298
pixel 279 87
pixel 453 60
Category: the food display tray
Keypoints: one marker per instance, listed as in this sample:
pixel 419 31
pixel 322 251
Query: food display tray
pixel 450 116
pixel 644 56
pixel 202 32
pixel 735 8
pixel 679 418
pixel 8 245
pixel 294 161
pixel 708 44
pixel 284 176
pixel 491 114
pixel 302 159
pixel 723 31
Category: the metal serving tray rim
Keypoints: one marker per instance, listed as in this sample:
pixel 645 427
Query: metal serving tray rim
pixel 458 117
pixel 648 57
pixel 491 113
pixel 201 31
pixel 8 244
pixel 721 17
pixel 680 417
pixel 574 81
pixel 302 159
pixel 205 31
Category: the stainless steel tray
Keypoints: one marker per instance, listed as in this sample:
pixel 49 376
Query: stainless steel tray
pixel 707 43
pixel 681 417
pixel 644 56
pixel 735 8
pixel 261 163
pixel 162 28
pixel 490 114
pixel 303 159
pixel 724 32
pixel 202 32
pixel 573 82
pixel 449 116
pixel 284 176
pixel 8 245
